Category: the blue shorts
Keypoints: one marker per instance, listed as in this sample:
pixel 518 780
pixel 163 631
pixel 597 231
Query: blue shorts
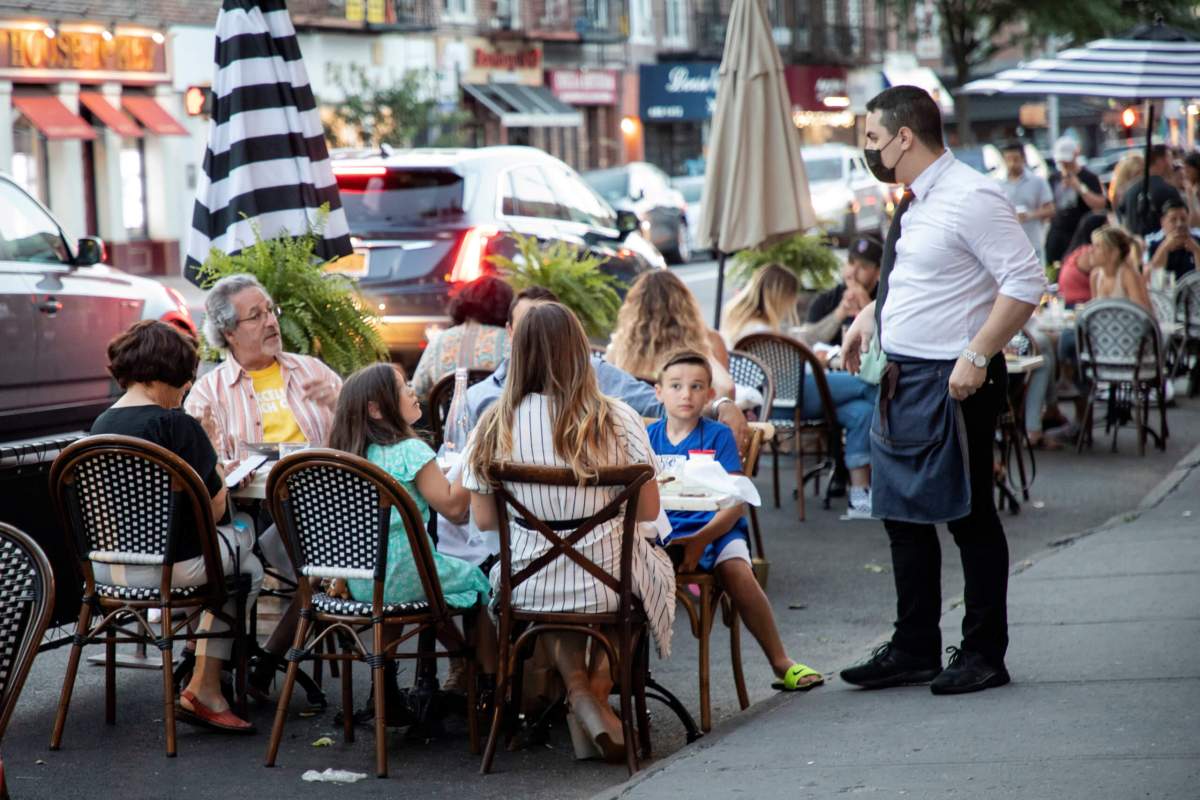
pixel 733 544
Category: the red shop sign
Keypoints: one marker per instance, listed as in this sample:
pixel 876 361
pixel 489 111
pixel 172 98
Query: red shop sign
pixel 530 58
pixel 593 87
pixel 817 88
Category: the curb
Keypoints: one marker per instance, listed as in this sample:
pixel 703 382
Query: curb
pixel 1163 489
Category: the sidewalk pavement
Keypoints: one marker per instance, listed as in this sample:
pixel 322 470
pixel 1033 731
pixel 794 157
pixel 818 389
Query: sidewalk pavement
pixel 1104 703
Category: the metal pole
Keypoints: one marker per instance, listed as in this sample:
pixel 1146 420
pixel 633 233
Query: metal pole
pixel 720 289
pixel 1052 117
pixel 1144 201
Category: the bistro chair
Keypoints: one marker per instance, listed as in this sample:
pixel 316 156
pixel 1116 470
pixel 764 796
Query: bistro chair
pixel 118 498
pixel 786 360
pixel 1187 317
pixel 746 370
pixel 1016 455
pixel 335 510
pixel 438 401
pixel 629 654
pixel 26 603
pixel 1119 349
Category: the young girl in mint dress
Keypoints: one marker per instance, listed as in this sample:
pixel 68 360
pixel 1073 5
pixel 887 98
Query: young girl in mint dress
pixel 375 414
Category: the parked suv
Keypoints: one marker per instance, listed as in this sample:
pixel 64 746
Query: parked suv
pixel 59 307
pixel 646 190
pixel 846 197
pixel 423 220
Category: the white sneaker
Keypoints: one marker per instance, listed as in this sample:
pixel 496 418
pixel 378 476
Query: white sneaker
pixel 859 506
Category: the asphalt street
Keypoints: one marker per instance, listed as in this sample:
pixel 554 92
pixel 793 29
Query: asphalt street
pixel 830 585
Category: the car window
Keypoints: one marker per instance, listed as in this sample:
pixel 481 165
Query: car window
pixel 27 232
pixel 578 200
pixel 691 191
pixel 531 196
pixel 823 169
pixel 400 198
pixel 612 184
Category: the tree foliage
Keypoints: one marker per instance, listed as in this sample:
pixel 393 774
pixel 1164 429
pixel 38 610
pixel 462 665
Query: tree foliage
pixel 403 112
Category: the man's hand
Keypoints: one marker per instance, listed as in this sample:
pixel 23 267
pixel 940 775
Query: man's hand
pixel 320 391
pixel 856 340
pixel 966 379
pixel 732 416
pixel 693 551
pixel 854 298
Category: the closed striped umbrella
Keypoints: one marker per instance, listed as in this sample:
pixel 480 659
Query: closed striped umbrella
pixel 266 165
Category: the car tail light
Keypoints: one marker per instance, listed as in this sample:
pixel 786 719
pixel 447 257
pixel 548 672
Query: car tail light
pixel 472 254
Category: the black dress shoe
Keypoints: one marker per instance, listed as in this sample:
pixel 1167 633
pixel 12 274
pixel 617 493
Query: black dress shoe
pixel 890 666
pixel 968 671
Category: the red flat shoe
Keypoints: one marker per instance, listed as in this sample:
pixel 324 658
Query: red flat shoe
pixel 202 716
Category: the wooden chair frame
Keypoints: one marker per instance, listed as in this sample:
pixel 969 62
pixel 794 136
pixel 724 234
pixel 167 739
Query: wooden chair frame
pixel 438 618
pixel 628 619
pixel 29 635
pixel 124 620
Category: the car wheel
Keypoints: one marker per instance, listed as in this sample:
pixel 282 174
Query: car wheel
pixel 681 253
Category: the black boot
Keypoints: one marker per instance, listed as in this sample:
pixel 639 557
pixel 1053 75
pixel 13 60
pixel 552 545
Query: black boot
pixel 263 668
pixel 397 713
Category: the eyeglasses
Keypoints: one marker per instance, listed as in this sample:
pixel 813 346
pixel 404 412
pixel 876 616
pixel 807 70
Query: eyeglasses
pixel 260 315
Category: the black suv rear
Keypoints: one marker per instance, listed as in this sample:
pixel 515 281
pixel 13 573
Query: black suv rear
pixel 424 220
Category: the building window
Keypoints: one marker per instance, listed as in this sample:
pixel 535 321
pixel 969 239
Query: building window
pixel 641 22
pixel 509 10
pixel 676 29
pixel 29 160
pixel 133 188
pixel 457 9
pixel 597 13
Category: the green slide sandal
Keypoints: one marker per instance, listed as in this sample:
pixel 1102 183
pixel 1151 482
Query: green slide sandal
pixel 791 681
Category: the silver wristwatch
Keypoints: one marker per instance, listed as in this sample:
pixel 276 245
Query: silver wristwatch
pixel 978 359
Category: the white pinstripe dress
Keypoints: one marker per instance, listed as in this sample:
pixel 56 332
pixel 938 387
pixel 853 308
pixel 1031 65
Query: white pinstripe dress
pixel 563 585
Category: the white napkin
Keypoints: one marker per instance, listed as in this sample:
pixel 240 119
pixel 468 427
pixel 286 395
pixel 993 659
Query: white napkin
pixel 711 475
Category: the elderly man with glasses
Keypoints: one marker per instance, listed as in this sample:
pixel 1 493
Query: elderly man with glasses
pixel 259 393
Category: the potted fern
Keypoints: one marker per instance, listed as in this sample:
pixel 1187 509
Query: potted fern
pixel 808 256
pixel 322 314
pixel 573 275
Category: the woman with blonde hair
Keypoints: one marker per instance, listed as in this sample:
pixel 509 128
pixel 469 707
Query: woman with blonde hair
pixel 659 316
pixel 1128 171
pixel 767 304
pixel 551 413
pixel 1116 254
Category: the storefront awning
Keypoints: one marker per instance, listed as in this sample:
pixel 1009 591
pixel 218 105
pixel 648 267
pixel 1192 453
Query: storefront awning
pixel 112 117
pixel 520 106
pixel 154 117
pixel 52 118
pixel 921 77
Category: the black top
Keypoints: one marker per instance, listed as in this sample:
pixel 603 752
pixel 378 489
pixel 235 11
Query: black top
pixel 1179 262
pixel 174 430
pixel 1160 193
pixel 826 303
pixel 1069 206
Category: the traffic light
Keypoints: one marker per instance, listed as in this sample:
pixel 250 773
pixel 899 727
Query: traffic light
pixel 198 100
pixel 1129 118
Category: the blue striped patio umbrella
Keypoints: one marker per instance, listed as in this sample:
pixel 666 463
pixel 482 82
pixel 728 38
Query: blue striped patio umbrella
pixel 266 165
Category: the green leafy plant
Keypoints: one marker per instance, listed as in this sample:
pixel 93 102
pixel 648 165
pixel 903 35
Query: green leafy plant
pixel 571 274
pixel 402 111
pixel 321 313
pixel 808 256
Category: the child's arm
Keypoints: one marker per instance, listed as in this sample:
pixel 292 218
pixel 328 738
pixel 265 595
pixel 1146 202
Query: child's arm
pixel 721 523
pixel 450 500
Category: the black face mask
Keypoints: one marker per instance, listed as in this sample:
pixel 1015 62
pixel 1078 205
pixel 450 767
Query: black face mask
pixel 874 159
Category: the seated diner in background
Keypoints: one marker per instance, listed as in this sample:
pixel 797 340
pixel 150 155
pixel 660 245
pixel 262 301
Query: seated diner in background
pixel 552 413
pixel 1175 248
pixel 478 338
pixel 155 364
pixel 832 311
pixel 767 304
pixel 1075 275
pixel 717 542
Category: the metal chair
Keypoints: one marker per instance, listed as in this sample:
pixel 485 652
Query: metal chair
pixel 746 370
pixel 335 510
pixel 1119 347
pixel 786 360
pixel 1187 316
pixel 629 655
pixel 123 501
pixel 1013 440
pixel 26 603
pixel 438 401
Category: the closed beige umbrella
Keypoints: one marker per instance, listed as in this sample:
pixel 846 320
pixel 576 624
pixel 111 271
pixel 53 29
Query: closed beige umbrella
pixel 755 186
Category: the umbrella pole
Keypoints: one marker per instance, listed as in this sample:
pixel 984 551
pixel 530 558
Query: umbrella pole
pixel 720 289
pixel 1144 200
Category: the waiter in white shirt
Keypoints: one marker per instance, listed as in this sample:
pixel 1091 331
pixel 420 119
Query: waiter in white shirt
pixel 959 279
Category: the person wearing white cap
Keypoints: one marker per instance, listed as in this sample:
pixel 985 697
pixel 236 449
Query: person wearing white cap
pixel 1077 192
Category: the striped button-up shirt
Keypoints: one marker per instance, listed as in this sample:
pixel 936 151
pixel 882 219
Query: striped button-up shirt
pixel 229 391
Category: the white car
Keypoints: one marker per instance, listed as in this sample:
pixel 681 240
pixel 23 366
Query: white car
pixel 692 189
pixel 846 197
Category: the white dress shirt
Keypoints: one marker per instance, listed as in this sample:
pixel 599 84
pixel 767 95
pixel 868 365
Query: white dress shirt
pixel 960 245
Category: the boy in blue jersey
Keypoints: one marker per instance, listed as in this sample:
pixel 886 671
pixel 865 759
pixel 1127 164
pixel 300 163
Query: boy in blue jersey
pixel 716 541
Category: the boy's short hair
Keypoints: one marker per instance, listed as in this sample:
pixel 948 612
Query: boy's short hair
pixel 686 357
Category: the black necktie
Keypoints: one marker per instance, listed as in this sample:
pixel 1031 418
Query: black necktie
pixel 889 259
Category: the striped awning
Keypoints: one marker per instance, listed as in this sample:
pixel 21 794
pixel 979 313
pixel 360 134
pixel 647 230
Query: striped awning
pixel 1151 62
pixel 266 165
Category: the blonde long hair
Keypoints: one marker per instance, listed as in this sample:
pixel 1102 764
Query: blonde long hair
pixel 1128 170
pixel 551 356
pixel 769 298
pixel 659 316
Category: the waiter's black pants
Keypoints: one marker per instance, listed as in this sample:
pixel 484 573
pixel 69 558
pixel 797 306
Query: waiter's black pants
pixel 917 556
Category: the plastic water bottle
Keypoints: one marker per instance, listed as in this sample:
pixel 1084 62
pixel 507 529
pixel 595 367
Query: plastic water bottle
pixel 458 422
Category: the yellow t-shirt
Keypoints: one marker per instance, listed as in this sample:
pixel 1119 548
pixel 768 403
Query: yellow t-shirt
pixel 279 423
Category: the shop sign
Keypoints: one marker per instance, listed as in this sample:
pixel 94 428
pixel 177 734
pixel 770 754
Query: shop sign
pixel 528 58
pixel 817 88
pixel 479 60
pixel 27 52
pixel 578 87
pixel 681 91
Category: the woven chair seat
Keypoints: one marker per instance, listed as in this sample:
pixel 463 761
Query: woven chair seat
pixel 115 592
pixel 347 607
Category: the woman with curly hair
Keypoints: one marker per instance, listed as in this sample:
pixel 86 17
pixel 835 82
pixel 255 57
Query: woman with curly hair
pixel 660 315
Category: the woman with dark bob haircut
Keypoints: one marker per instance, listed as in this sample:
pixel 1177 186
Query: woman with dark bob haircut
pixel 478 340
pixel 155 364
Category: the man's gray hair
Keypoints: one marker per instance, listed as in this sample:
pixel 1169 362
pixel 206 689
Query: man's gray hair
pixel 220 317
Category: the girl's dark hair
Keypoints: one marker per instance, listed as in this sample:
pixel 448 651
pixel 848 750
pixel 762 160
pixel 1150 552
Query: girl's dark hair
pixel 484 300
pixel 152 351
pixel 354 429
pixel 1083 232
